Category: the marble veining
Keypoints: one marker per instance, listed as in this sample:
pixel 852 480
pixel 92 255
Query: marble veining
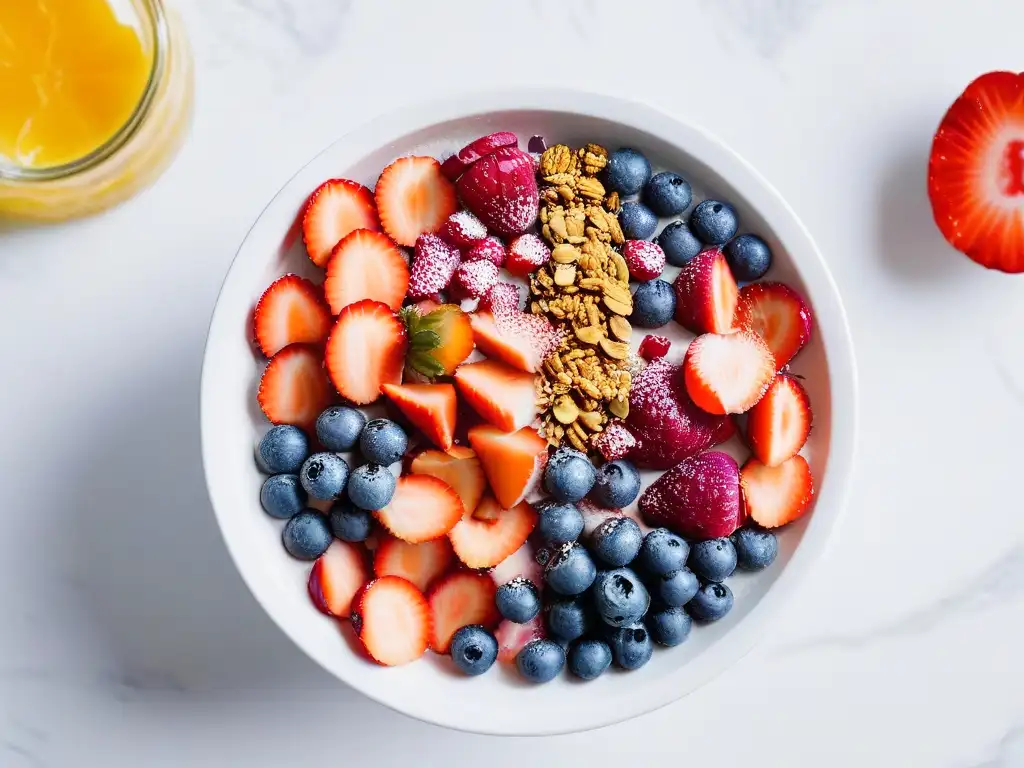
pixel 768 25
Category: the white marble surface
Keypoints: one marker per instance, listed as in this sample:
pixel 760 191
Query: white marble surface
pixel 127 639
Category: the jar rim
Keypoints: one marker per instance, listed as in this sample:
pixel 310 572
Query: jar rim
pixel 154 10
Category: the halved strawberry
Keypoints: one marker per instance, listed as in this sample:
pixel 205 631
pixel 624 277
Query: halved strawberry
pixel 459 468
pixel 429 407
pixel 336 207
pixel 440 338
pixel 976 172
pixel 520 339
pixel 294 388
pixel 366 350
pixel 483 543
pixel 392 619
pixel 503 395
pixel 513 637
pixel 419 563
pixel 457 600
pixel 513 461
pixel 290 311
pixel 777 314
pixel 774 496
pixel 778 426
pixel 413 197
pixel 422 508
pixel 366 265
pixel 706 293
pixel 727 373
pixel 337 575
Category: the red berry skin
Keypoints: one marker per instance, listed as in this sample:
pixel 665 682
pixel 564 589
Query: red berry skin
pixel 653 347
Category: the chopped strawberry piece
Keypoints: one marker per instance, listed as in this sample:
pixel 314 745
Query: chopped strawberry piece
pixel 644 259
pixel 454 166
pixel 489 249
pixel 366 265
pixel 727 373
pixel 513 461
pixel 774 496
pixel 413 197
pixel 706 294
pixel 337 575
pixel 420 563
pixel 462 229
pixel 502 300
pixel 428 407
pixel 336 207
pixel 366 350
pixel 653 347
pixel 457 600
pixel 503 395
pixel 486 537
pixel 294 389
pixel 521 340
pixel 290 311
pixel 615 442
pixel 392 619
pixel 513 637
pixel 440 338
pixel 472 279
pixel 422 508
pixel 459 468
pixel 526 254
pixel 433 265
pixel 777 314
pixel 778 426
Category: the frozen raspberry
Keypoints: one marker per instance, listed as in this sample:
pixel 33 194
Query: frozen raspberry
pixel 489 249
pixel 501 300
pixel 473 279
pixel 645 259
pixel 526 254
pixel 463 230
pixel 653 347
pixel 433 265
pixel 615 442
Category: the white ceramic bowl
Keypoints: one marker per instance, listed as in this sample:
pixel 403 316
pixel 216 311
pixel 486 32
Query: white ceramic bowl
pixel 498 703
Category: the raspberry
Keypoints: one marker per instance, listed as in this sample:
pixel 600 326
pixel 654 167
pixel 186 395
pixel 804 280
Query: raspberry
pixel 526 254
pixel 653 347
pixel 489 249
pixel 473 279
pixel 645 260
pixel 463 230
pixel 433 265
pixel 502 300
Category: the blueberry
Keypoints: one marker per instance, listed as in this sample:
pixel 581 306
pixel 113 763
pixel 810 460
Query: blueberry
pixel 570 571
pixel 627 171
pixel 568 620
pixel 540 661
pixel 679 243
pixel 755 549
pixel 654 304
pixel 307 535
pixel 349 522
pixel 632 646
pixel 282 496
pixel 617 485
pixel 676 588
pixel 620 597
pixel 339 427
pixel 371 487
pixel 569 475
pixel 518 600
pixel 711 602
pixel 589 658
pixel 637 221
pixel 473 649
pixel 559 523
pixel 669 626
pixel 749 257
pixel 713 560
pixel 616 541
pixel 282 450
pixel 714 222
pixel 667 194
pixel 662 552
pixel 383 442
pixel 324 475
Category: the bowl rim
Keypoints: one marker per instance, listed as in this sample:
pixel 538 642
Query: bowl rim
pixel 832 324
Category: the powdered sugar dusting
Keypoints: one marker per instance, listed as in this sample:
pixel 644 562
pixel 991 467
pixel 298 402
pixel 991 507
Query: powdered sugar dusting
pixel 473 279
pixel 646 260
pixel 463 229
pixel 433 266
pixel 542 335
pixel 615 442
pixel 490 249
pixel 527 253
pixel 502 190
pixel 502 299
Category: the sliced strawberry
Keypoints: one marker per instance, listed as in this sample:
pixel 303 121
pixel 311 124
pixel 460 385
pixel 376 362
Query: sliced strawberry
pixel 392 619
pixel 777 314
pixel 422 508
pixel 706 293
pixel 513 461
pixel 419 563
pixel 778 426
pixel 337 575
pixel 440 338
pixel 366 265
pixel 503 395
pixel 366 350
pixel 294 388
pixel 513 637
pixel 413 197
pixel 976 172
pixel 430 408
pixel 774 496
pixel 336 207
pixel 483 543
pixel 469 154
pixel 457 600
pixel 459 468
pixel 727 373
pixel 290 311
pixel 521 340
pixel 527 253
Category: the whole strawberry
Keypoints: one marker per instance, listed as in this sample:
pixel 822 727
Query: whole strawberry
pixel 501 189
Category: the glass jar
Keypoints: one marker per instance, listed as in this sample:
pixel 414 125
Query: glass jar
pixel 139 150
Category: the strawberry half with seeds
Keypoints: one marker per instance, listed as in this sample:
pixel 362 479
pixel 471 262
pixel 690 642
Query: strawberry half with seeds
pixel 777 314
pixel 431 408
pixel 489 534
pixel 290 311
pixel 513 461
pixel 503 395
pixel 774 496
pixel 421 509
pixel 337 576
pixel 727 373
pixel 457 600
pixel 778 426
pixel 392 619
pixel 706 293
pixel 366 350
pixel 336 208
pixel 294 388
pixel 439 340
pixel 413 197
pixel 522 340
pixel 419 563
pixel 459 468
pixel 366 265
